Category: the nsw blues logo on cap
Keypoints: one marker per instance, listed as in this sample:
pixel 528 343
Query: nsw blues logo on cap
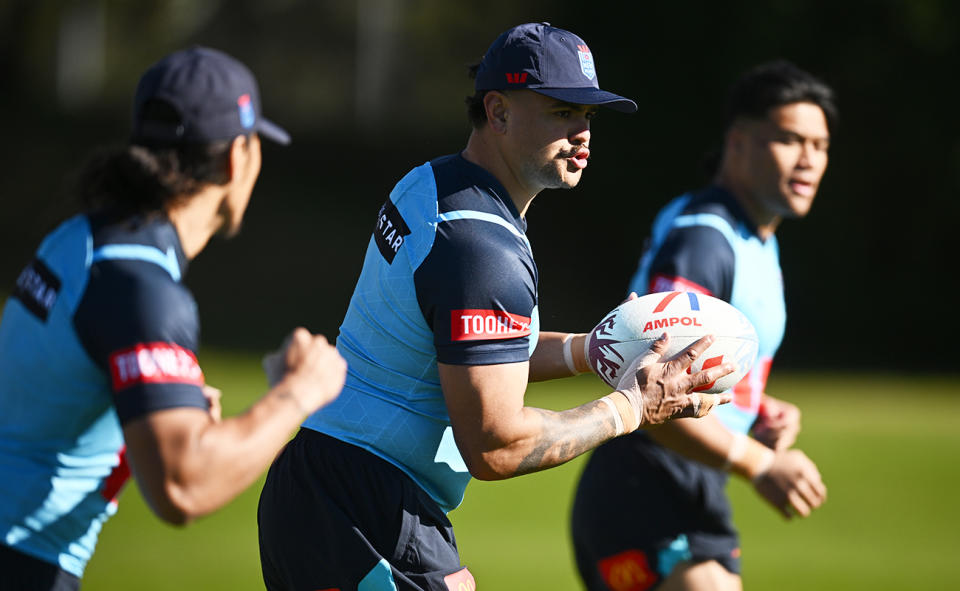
pixel 247 115
pixel 549 61
pixel 586 62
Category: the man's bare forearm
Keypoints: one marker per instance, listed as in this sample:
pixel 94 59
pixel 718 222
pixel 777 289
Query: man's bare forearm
pixel 550 361
pixel 565 435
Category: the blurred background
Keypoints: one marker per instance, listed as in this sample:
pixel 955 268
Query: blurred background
pixel 371 88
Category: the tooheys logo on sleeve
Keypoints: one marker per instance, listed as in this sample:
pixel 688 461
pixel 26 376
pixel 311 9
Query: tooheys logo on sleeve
pixel 476 325
pixel 37 288
pixel 390 231
pixel 154 363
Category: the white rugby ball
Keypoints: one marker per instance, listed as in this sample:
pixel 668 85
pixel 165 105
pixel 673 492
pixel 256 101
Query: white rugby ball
pixel 630 329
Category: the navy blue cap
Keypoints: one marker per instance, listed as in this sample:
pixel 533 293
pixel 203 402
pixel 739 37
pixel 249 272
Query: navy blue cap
pixel 214 95
pixel 549 61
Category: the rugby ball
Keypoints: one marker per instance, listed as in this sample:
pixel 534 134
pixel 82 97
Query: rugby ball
pixel 629 330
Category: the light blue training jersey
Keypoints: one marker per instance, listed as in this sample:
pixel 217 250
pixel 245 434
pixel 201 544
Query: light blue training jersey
pixel 98 331
pixel 448 276
pixel 703 242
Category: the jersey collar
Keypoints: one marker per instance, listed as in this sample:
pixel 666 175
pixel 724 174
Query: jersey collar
pixel 729 200
pixel 489 182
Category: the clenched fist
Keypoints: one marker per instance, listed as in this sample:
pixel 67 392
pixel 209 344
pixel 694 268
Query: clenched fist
pixel 310 367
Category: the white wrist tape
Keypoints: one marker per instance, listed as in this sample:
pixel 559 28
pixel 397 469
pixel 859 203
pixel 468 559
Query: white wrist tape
pixel 736 452
pixel 765 464
pixel 617 419
pixel 748 458
pixel 586 352
pixel 568 353
pixel 636 405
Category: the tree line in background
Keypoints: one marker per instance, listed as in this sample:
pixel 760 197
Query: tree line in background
pixel 371 88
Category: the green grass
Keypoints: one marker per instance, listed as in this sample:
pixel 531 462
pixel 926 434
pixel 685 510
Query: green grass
pixel 886 445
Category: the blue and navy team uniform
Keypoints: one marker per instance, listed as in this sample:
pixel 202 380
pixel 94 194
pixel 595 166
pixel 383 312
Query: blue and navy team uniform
pixel 97 332
pixel 701 242
pixel 448 277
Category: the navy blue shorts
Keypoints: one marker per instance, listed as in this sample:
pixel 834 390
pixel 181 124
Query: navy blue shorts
pixel 20 572
pixel 335 517
pixel 640 509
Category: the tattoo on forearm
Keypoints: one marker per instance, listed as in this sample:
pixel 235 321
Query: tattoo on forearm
pixel 286 395
pixel 567 434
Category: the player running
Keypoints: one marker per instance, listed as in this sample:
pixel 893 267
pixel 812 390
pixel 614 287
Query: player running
pixel 98 341
pixel 442 335
pixel 718 241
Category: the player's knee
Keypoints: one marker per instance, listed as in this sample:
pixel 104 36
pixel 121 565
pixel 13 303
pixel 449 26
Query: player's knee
pixel 708 575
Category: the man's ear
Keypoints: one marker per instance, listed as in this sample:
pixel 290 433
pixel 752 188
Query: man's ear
pixel 734 139
pixel 239 153
pixel 496 106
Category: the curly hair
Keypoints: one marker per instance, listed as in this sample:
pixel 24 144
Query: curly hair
pixel 141 178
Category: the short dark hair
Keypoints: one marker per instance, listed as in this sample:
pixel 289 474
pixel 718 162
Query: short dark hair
pixel 765 87
pixel 144 178
pixel 476 111
pixel 774 84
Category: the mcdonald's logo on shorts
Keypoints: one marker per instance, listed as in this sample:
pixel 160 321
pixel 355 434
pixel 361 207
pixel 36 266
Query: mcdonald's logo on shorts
pixel 627 571
pixel 461 580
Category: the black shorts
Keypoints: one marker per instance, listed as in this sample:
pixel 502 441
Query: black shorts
pixel 335 517
pixel 640 509
pixel 20 572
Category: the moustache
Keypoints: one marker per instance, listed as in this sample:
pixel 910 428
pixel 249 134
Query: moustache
pixel 564 154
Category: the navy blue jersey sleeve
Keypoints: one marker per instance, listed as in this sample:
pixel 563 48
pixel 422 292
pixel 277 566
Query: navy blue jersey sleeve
pixel 694 258
pixel 477 291
pixel 142 328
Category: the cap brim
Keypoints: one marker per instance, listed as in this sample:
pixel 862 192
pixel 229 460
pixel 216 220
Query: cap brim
pixel 590 96
pixel 272 131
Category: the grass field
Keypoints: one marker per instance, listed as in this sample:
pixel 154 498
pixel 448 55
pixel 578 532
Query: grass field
pixel 888 448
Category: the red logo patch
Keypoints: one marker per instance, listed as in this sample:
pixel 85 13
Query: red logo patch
pixel 748 393
pixel 627 571
pixel 478 325
pixel 516 78
pixel 154 363
pixel 118 477
pixel 461 580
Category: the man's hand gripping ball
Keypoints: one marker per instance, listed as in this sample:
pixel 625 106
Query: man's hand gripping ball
pixel 660 391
